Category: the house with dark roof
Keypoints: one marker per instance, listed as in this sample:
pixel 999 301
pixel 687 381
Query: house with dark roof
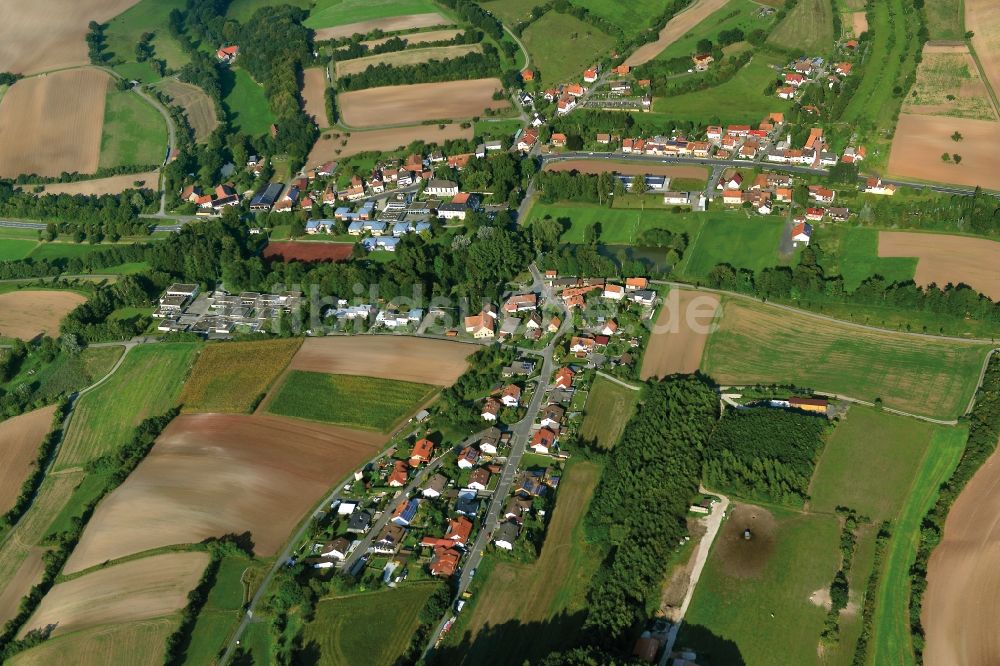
pixel 506 535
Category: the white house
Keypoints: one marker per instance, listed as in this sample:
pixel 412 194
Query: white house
pixel 615 292
pixel 801 233
pixel 444 188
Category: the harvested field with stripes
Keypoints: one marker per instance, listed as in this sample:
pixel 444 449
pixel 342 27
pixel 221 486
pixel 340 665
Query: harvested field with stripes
pixel 416 103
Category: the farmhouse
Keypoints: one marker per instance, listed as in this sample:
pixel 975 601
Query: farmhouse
pixel 815 405
pixel 521 303
pixel 227 54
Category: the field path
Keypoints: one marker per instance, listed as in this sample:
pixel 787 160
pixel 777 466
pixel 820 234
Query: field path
pixel 621 383
pixel 675 28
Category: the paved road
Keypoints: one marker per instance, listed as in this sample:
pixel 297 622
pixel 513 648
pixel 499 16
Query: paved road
pixel 520 435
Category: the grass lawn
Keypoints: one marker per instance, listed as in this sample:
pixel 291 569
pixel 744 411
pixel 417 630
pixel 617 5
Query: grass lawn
pixel 343 626
pixel 486 129
pixel 242 10
pixel 125 30
pixel 330 13
pixel 220 613
pixel 609 407
pixel 524 611
pixel 65 374
pixel 619 226
pixel 632 17
pixel 510 11
pixel 18 233
pixel 945 19
pixel 233 376
pixel 13 250
pixel 892 448
pixel 767 612
pixel 90 488
pixel 891 642
pixel 560 60
pixel 853 253
pixel 732 237
pixel 370 403
pixel 735 14
pixel 134 132
pixel 147 384
pixel 808 26
pixel 924 377
pixel 741 99
pixel 246 103
pixel 65 250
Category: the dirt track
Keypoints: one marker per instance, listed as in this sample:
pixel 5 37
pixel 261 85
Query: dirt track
pixel 421 360
pixel 213 474
pixel 20 438
pixel 314 94
pixel 41 36
pixel 982 17
pixel 380 140
pixel 391 24
pixel 676 28
pixel 53 123
pixel 27 313
pixel 944 259
pixel 416 103
pixel 963 578
pixel 109 185
pixel 671 351
pixel 628 168
pixel 920 140
pixel 137 590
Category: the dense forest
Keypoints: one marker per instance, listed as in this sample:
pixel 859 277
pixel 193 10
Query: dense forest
pixel 641 502
pixel 764 454
pixel 90 217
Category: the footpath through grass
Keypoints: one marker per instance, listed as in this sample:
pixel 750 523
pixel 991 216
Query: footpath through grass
pixel 370 403
pixel 147 384
pixel 759 343
pixel 891 643
pixel 371 628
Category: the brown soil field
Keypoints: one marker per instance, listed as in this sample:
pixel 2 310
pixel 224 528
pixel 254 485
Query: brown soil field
pixel 416 103
pixel 391 24
pixel 421 360
pixel 858 22
pixel 134 643
pixel 407 57
pixel 20 438
pixel 27 576
pixel 138 590
pixel 308 251
pixel 385 140
pixel 38 37
pixel 944 259
pixel 419 37
pixel 198 106
pixel 314 95
pixel 920 141
pixel 948 84
pixel 52 123
pixel 214 474
pixel 511 583
pixel 746 558
pixel 28 313
pixel 982 17
pixel 109 185
pixel 675 348
pixel 963 577
pixel 629 168
pixel 676 28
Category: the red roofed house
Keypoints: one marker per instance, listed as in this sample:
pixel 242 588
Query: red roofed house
pixel 564 378
pixel 559 139
pixel 610 327
pixel 511 395
pixel 815 214
pixel 590 75
pixel 633 283
pixel 843 68
pixel 480 325
pixel 520 303
pixel 528 75
pixel 801 233
pixel 732 197
pixel 794 79
pixel 851 44
pixel 576 90
pixel 227 54
pixel 399 474
pixel 459 530
pixel 490 409
pixel 786 92
pixel 421 452
pixel 543 441
pixel 445 561
pixel 615 292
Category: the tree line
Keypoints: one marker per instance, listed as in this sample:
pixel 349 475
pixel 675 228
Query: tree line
pixel 469 66
pixel 110 215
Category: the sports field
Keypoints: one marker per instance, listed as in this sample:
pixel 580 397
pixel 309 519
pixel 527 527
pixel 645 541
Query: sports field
pixel 233 376
pixel 756 595
pixel 762 343
pixel 609 407
pixel 505 629
pixel 134 132
pixel 330 13
pixel 147 384
pixel 807 27
pixel 246 103
pixel 342 626
pixel 892 448
pixel 356 402
pixel 740 99
pixel 560 60
pixel 891 643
